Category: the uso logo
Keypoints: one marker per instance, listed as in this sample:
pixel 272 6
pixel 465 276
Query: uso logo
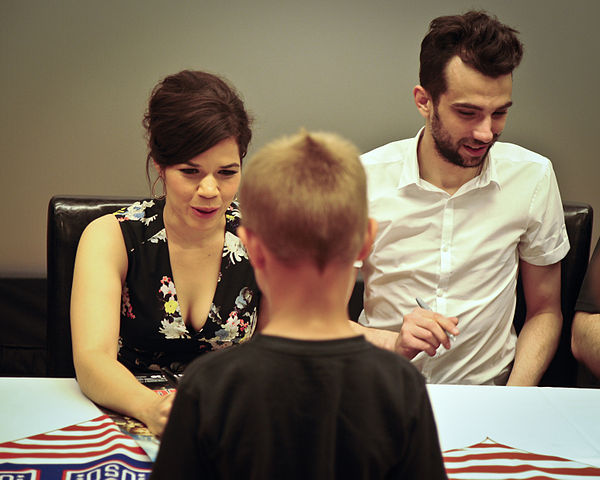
pixel 112 469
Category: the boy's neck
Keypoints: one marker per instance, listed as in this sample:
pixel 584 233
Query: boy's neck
pixel 309 305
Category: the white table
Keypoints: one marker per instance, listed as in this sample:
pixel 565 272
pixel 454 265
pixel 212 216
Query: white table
pixel 29 406
pixel 553 421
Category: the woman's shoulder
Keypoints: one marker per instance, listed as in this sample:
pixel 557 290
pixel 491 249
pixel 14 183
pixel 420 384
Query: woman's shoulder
pixel 143 211
pixel 101 240
pixel 142 221
pixel 104 225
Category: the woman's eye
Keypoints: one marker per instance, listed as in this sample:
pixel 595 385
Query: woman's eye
pixel 188 171
pixel 228 173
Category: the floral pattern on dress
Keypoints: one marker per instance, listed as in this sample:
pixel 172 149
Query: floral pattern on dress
pixel 233 213
pixel 238 326
pixel 234 248
pixel 126 308
pixel 160 236
pixel 244 298
pixel 136 212
pixel 172 325
pixel 157 335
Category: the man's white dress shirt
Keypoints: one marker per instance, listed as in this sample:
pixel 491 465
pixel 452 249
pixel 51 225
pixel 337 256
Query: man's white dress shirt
pixel 460 252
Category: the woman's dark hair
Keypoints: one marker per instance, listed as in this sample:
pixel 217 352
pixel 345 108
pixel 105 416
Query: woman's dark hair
pixel 481 42
pixel 190 112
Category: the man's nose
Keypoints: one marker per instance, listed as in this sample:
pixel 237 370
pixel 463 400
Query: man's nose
pixel 483 131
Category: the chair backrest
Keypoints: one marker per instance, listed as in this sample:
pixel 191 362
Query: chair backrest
pixel 67 218
pixel 563 369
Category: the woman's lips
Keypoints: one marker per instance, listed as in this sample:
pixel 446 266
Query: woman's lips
pixel 204 212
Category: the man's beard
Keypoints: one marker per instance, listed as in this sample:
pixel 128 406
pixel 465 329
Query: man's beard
pixel 449 151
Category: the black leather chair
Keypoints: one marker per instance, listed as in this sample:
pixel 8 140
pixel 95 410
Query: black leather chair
pixel 563 369
pixel 67 218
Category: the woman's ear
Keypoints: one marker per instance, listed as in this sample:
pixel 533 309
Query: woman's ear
pixel 160 177
pixel 159 170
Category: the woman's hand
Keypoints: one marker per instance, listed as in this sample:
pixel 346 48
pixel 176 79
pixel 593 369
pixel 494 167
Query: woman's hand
pixel 157 413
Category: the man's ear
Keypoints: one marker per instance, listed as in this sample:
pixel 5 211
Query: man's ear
pixel 423 101
pixel 253 245
pixel 369 239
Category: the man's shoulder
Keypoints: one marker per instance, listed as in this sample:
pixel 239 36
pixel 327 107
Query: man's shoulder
pixel 504 152
pixel 392 152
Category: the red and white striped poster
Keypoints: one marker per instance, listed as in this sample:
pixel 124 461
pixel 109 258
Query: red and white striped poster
pixel 98 449
pixel 90 450
pixel 491 460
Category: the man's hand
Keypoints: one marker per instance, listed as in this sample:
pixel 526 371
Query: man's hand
pixel 424 330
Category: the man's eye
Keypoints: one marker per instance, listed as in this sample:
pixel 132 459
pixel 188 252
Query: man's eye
pixel 228 173
pixel 500 113
pixel 466 113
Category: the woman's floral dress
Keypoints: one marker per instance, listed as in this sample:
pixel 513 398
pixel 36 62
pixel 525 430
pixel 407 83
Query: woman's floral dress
pixel 153 333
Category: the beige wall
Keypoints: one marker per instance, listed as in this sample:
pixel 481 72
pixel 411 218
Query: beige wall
pixel 76 76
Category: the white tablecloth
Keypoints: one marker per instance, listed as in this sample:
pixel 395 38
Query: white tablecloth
pixel 37 405
pixel 551 421
pixel 554 421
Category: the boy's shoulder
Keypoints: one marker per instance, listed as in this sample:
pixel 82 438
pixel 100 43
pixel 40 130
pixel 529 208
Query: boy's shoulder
pixel 392 364
pixel 217 365
pixel 222 357
pixel 264 352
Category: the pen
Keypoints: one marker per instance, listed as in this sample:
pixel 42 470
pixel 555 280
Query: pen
pixel 421 303
pixel 170 377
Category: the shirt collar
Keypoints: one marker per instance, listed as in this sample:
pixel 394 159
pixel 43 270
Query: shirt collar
pixel 409 173
pixel 489 174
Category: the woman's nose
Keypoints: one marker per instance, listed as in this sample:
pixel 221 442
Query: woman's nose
pixel 208 187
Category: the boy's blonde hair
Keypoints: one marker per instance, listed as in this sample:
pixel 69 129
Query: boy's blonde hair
pixel 305 196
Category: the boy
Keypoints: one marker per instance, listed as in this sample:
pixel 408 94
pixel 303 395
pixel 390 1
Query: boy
pixel 306 397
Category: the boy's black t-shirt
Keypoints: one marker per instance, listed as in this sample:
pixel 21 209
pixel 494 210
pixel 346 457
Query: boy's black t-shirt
pixel 283 408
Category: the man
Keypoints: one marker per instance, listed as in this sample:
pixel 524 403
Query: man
pixel 459 214
pixel 306 398
pixel 585 339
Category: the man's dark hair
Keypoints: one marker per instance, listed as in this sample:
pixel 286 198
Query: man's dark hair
pixel 481 42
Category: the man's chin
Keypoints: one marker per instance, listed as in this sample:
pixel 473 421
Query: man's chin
pixel 473 162
pixel 469 162
pixel 463 160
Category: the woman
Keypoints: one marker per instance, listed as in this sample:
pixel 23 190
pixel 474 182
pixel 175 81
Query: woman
pixel 164 280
